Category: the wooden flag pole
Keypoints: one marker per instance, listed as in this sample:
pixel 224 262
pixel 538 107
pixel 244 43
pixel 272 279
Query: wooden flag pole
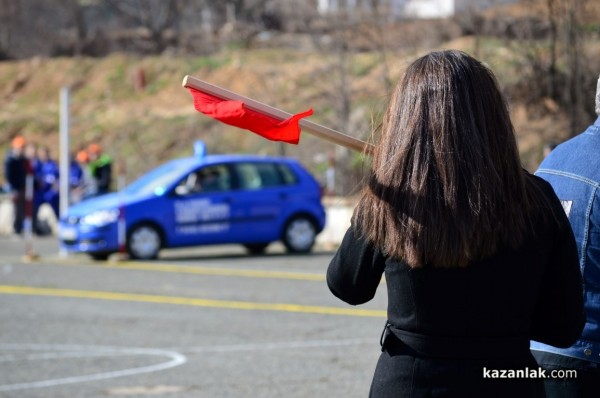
pixel 313 128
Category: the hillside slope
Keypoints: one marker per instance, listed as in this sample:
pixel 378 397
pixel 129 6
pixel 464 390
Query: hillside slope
pixel 142 127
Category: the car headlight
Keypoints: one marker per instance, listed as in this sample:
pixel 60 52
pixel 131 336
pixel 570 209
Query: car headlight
pixel 100 218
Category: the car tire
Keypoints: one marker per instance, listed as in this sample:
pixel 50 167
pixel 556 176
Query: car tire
pixel 256 248
pixel 299 235
pixel 99 256
pixel 144 242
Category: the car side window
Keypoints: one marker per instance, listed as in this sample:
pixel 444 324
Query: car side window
pixel 258 175
pixel 207 179
pixel 288 176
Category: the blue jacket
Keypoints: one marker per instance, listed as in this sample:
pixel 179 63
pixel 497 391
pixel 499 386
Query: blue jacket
pixel 573 170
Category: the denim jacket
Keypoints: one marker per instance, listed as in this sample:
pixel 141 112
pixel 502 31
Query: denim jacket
pixel 573 170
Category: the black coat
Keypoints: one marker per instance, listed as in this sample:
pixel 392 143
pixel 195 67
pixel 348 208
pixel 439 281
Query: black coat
pixel 448 325
pixel 15 171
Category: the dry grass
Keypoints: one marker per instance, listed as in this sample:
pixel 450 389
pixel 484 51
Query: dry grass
pixel 144 128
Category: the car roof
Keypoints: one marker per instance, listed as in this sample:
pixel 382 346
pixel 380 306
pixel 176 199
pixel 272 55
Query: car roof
pixel 194 161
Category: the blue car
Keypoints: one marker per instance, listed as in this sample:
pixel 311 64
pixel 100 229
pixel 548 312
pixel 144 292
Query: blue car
pixel 201 200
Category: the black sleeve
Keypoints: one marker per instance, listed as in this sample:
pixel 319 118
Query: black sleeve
pixel 560 316
pixel 356 269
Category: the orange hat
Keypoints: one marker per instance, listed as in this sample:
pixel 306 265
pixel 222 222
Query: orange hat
pixel 18 142
pixel 95 148
pixel 82 157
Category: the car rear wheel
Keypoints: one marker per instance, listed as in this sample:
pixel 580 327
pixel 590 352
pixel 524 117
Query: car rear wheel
pixel 144 242
pixel 299 235
pixel 256 248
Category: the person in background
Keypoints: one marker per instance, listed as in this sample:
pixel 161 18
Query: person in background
pixel 86 188
pixel 478 255
pixel 16 168
pixel 573 170
pixel 330 176
pixel 75 179
pixel 100 168
pixel 47 175
pixel 31 154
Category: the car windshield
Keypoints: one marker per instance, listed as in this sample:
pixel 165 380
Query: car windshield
pixel 156 180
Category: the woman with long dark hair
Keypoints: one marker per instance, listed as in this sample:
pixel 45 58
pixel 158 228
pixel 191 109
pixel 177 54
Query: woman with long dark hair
pixel 477 253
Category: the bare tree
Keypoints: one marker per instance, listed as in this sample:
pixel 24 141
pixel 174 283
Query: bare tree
pixel 156 16
pixel 80 26
pixel 574 52
pixel 378 17
pixel 553 48
pixel 341 23
pixel 9 11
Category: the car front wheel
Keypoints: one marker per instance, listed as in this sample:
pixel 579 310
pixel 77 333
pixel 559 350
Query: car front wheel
pixel 144 242
pixel 299 235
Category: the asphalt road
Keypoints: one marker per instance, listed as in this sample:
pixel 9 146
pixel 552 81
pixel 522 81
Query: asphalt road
pixel 209 322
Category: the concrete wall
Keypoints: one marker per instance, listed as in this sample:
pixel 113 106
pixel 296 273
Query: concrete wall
pixel 45 213
pixel 339 211
pixel 6 215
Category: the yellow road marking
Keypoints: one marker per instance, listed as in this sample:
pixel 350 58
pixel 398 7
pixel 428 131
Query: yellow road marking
pixel 189 301
pixel 217 271
pixel 211 271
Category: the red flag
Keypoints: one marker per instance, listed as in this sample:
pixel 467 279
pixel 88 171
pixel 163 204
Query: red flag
pixel 236 113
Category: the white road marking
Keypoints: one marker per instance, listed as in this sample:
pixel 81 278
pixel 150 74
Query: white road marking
pixel 285 345
pixel 175 359
pixel 58 351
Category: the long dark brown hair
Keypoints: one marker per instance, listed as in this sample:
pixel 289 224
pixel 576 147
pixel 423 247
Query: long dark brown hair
pixel 446 186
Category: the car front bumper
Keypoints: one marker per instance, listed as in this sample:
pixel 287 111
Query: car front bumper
pixel 88 239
